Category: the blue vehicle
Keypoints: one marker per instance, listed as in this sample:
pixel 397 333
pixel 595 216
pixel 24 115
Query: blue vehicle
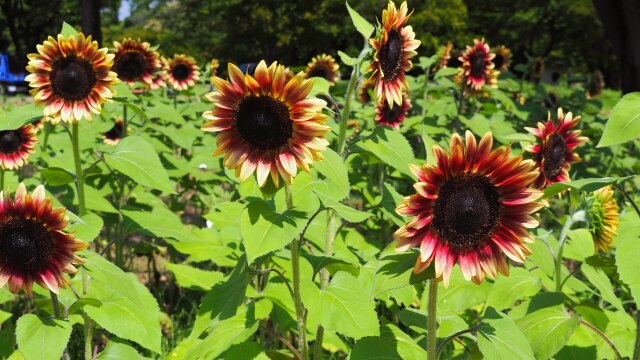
pixel 10 82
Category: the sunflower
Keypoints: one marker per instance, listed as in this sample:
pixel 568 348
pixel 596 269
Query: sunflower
pixel 324 66
pixel 16 146
pixel 38 124
pixel 182 72
pixel 445 57
pixel 364 95
pixel 33 247
pixel 477 68
pixel 266 125
pixel 214 64
pixel 159 78
pixel 596 85
pixel 72 77
pixel 454 59
pixel 471 207
pixel 502 58
pixel 393 46
pixel 603 218
pixel 555 150
pixel 114 135
pixel 392 115
pixel 135 61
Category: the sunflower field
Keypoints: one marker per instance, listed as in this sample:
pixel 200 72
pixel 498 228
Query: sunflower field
pixel 420 206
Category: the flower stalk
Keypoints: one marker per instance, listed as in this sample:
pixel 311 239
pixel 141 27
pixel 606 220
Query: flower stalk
pixel 56 314
pixel 431 320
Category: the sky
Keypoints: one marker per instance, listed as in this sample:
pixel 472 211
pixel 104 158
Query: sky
pixel 125 10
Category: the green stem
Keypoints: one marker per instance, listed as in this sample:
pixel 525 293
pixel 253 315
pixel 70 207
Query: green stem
pixel 324 275
pixel 47 131
pixel 561 242
pixel 1 179
pixel 425 94
pixel 125 123
pixel 79 175
pixel 603 336
pixel 431 320
pixel 57 315
pixel 344 117
pixel 303 347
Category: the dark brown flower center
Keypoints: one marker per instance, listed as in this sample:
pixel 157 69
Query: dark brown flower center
pixel 390 55
pixel 454 61
pixel 264 122
pixel 72 78
pixel 25 245
pixel 130 66
pixel 478 64
pixel 467 211
pixel 319 72
pixel 10 141
pixel 498 60
pixel 115 132
pixel 391 114
pixel 180 72
pixel 554 152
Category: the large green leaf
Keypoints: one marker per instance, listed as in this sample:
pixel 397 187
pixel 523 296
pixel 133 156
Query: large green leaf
pixel 117 350
pixel 346 307
pixel 136 158
pixel 42 339
pixel 601 281
pixel 86 228
pixel 223 300
pixel 191 277
pixel 264 230
pixel 507 289
pixel 160 222
pixel 362 25
pixel 391 344
pixel 500 338
pixel 395 271
pixel 627 253
pixel 128 309
pixel 391 147
pixel 585 185
pixel 548 328
pixel 624 123
pixel 20 116
pixel 335 172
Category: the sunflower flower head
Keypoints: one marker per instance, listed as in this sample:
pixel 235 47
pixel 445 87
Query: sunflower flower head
pixel 71 77
pixel 135 61
pixel 603 218
pixel 555 150
pixel 364 91
pixel 470 208
pixel 214 64
pixel 182 72
pixel 115 134
pixel 444 57
pixel 392 115
pixel 324 66
pixel 34 247
pixel 266 124
pixel 502 58
pixel 477 68
pixel 16 146
pixel 393 47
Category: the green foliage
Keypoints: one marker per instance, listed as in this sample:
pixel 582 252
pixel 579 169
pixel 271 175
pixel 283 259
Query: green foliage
pixel 624 122
pixel 34 334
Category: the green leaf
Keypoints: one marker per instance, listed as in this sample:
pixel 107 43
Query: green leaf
pixel 56 176
pixel 391 147
pixel 42 339
pixel 223 300
pixel 392 343
pixel 446 71
pixel 68 30
pixel 548 329
pixel 362 25
pixel 585 185
pixel 332 167
pixel 318 262
pixel 320 86
pixel 264 230
pixel 160 222
pixel 86 228
pixel 122 91
pixel 348 213
pixel 117 350
pixel 500 338
pixel 165 112
pixel 191 277
pixel 627 252
pixel 227 332
pixel 128 309
pixel 20 116
pixel 507 289
pixel 345 307
pixel 136 158
pixel 348 60
pixel 601 281
pixel 202 245
pixel 624 123
pixel 579 246
pixel 395 271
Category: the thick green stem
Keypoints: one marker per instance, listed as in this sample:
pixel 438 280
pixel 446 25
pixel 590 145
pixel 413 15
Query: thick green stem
pixel 425 94
pixel 561 242
pixel 57 315
pixel 303 347
pixel 79 174
pixel 431 320
pixel 344 117
pixel 47 131
pixel 324 275
pixel 125 123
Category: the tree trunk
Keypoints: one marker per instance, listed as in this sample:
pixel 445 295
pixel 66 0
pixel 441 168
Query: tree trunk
pixel 91 19
pixel 621 20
